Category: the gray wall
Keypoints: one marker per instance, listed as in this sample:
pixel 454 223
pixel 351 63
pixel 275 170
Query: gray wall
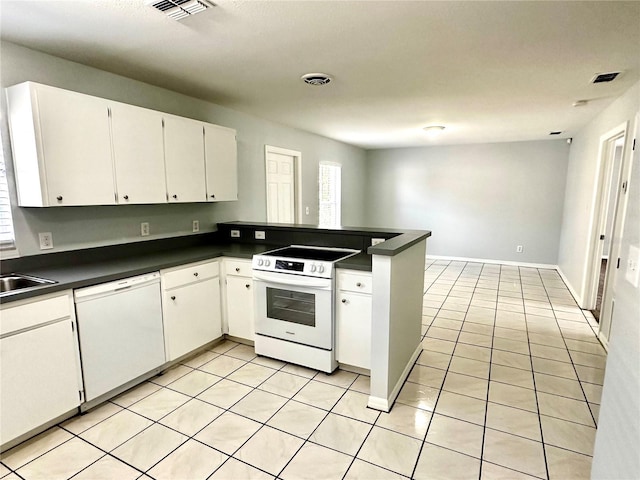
pixel 480 201
pixel 616 454
pixel 573 256
pixel 78 227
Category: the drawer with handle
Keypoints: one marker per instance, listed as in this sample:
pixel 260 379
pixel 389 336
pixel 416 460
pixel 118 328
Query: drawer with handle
pixel 241 268
pixel 354 282
pixel 193 272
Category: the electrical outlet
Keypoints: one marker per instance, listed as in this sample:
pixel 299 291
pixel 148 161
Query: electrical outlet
pixel 632 274
pixel 376 241
pixel 144 229
pixel 46 240
pixel 196 226
pixel 519 249
pixel 235 233
pixel 259 235
pixel 306 210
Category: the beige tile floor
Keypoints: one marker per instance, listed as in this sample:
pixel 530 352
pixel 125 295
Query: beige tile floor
pixel 508 386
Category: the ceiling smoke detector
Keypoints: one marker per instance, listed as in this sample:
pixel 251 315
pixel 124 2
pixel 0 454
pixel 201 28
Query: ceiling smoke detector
pixel 179 9
pixel 605 77
pixel 316 79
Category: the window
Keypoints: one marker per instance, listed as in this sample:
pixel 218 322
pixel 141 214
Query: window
pixel 329 189
pixel 7 240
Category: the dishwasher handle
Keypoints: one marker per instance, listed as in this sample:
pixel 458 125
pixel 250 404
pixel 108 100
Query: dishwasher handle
pixel 84 294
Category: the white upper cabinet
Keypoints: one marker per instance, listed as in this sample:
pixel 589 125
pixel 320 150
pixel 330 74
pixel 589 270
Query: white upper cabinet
pixel 61 147
pixel 138 154
pixel 75 149
pixel 184 159
pixel 221 163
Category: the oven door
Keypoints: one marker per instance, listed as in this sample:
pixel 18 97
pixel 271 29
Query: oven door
pixel 294 308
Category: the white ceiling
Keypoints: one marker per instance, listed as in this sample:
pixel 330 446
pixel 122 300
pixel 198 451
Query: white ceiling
pixel 489 71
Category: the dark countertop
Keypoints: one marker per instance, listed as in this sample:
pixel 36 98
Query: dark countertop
pixel 92 273
pixel 83 268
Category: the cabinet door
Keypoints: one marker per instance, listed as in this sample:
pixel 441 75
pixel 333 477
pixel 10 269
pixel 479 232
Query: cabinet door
pixel 221 163
pixel 39 380
pixel 76 147
pixel 353 320
pixel 138 154
pixel 192 317
pixel 184 160
pixel 240 307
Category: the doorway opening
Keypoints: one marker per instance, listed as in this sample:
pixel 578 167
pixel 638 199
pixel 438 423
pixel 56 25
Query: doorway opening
pixel 283 176
pixel 612 166
pixel 606 228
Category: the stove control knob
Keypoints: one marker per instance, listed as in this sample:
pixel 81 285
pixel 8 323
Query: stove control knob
pixel 267 263
pixel 313 268
pixel 260 262
pixel 321 268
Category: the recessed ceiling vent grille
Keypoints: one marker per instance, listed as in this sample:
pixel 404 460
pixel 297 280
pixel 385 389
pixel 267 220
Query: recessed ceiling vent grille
pixel 605 77
pixel 179 9
pixel 316 79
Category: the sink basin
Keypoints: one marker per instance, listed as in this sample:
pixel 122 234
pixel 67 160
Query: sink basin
pixel 15 281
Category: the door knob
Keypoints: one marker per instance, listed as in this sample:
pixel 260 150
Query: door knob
pixel 358 284
pixel 344 300
pixel 59 198
pixel 248 285
pixel 173 297
pixel 213 196
pixel 126 197
pixel 175 196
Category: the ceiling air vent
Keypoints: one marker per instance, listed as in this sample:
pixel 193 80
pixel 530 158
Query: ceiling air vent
pixel 316 79
pixel 605 77
pixel 179 9
pixel 555 133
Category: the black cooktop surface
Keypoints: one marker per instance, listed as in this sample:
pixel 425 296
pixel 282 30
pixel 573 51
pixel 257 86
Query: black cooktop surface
pixel 321 254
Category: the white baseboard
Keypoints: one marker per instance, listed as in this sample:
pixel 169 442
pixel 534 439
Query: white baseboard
pixel 494 262
pixel 572 290
pixel 385 404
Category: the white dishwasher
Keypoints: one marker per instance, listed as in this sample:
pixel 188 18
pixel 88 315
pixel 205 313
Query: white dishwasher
pixel 120 331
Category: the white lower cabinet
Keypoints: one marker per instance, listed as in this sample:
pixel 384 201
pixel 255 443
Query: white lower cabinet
pixel 40 378
pixel 239 298
pixel 191 309
pixel 353 319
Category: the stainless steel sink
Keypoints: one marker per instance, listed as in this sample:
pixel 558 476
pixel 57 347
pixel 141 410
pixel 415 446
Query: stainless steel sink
pixel 15 281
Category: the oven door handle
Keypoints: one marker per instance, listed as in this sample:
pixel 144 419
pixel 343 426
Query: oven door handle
pixel 293 280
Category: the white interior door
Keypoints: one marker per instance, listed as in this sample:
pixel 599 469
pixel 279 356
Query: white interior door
pixel 281 187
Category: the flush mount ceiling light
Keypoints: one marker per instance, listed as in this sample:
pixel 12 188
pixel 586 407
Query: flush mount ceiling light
pixel 605 77
pixel 316 79
pixel 434 129
pixel 179 9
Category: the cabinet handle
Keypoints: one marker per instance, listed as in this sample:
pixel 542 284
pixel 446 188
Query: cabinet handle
pixel 59 198
pixel 195 274
pixel 173 297
pixel 175 196
pixel 344 300
pixel 237 269
pixel 213 196
pixel 248 285
pixel 358 284
pixel 126 197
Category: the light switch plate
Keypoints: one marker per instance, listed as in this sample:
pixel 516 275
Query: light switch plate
pixel 196 226
pixel 144 229
pixel 632 273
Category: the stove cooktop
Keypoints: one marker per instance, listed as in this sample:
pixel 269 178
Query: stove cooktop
pixel 310 253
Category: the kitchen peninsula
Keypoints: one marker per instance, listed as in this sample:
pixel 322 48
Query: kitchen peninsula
pixel 395 266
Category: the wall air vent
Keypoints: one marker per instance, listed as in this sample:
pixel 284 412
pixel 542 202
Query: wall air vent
pixel 605 77
pixel 179 9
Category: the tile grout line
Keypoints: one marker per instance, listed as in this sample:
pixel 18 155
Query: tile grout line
pixel 486 403
pixel 435 405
